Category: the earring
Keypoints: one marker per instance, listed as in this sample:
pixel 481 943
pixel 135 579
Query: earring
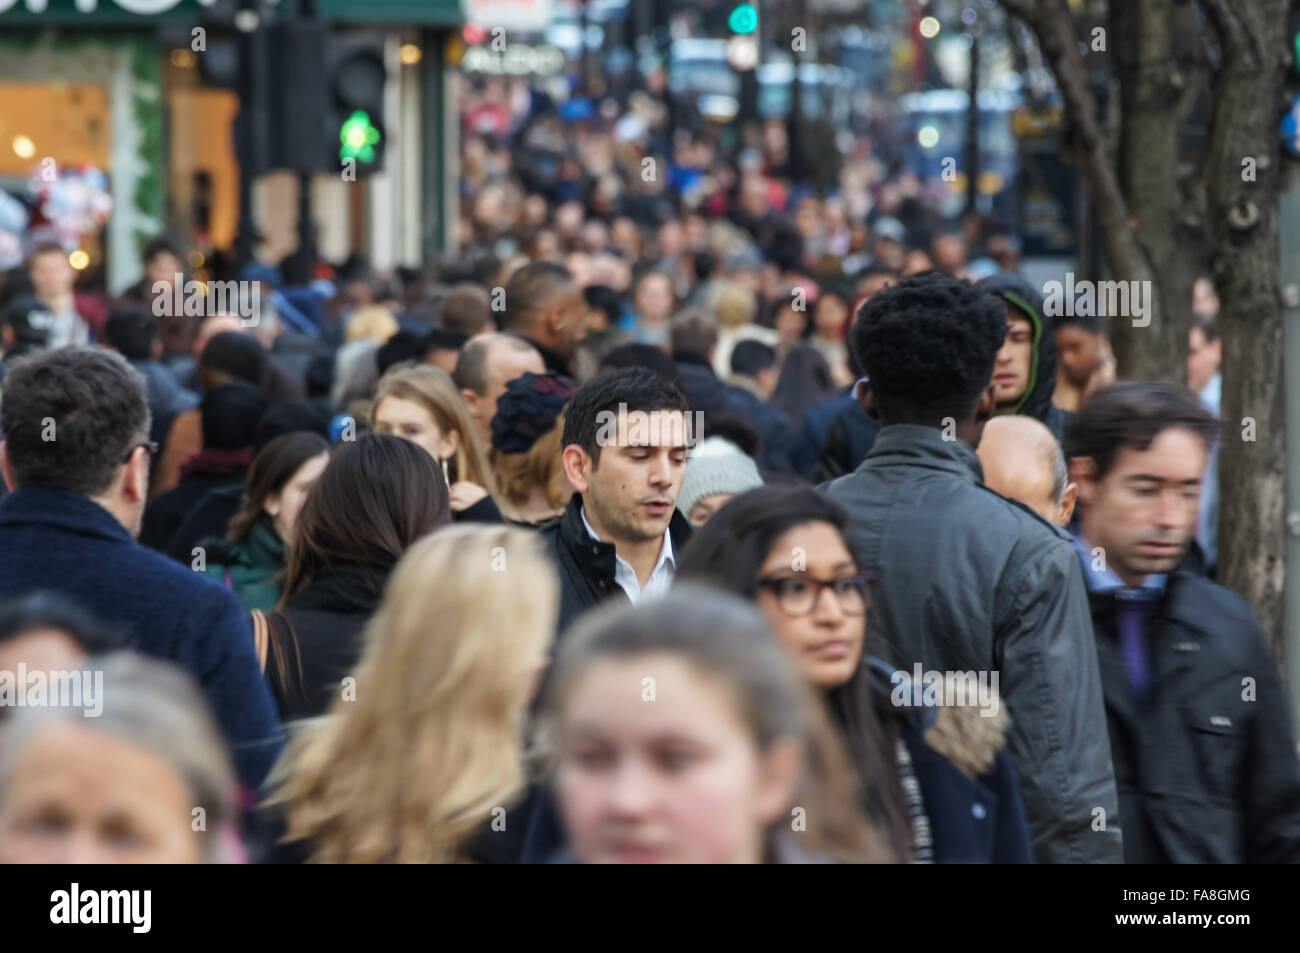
pixel 445 477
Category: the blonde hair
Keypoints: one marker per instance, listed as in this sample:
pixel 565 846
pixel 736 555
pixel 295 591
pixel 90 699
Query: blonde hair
pixel 542 465
pixel 433 389
pixel 433 743
pixel 734 305
pixel 371 323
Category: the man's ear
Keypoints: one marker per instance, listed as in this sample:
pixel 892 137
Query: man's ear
pixel 866 395
pixel 577 467
pixel 1066 511
pixel 1083 474
pixel 471 401
pixel 135 481
pixel 988 404
pixel 6 468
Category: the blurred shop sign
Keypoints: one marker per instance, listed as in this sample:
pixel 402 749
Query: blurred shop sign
pixel 514 15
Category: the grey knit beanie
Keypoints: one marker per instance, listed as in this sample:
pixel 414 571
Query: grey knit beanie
pixel 716 466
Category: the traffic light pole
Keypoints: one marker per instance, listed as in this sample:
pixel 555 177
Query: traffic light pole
pixel 252 118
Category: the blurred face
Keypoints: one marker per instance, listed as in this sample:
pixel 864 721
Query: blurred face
pixel 706 506
pixel 285 505
pixel 678 780
pixel 821 627
pixel 915 262
pixel 631 493
pixel 1143 512
pixel 1078 353
pixel 790 323
pixel 950 252
pixel 1011 372
pixel 831 314
pixel 411 421
pixel 1203 358
pixel 871 284
pixel 654 298
pixel 162 267
pixel 51 274
pixel 81 796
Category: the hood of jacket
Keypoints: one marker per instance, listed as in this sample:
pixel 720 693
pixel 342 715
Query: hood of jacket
pixel 1036 401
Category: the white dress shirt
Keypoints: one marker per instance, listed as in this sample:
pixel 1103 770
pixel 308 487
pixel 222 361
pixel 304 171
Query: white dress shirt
pixel 660 579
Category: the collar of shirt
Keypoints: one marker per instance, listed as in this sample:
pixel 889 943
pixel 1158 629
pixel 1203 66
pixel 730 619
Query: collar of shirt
pixel 625 575
pixel 1105 579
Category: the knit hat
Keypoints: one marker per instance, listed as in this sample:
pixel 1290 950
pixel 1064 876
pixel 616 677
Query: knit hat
pixel 716 466
pixel 528 409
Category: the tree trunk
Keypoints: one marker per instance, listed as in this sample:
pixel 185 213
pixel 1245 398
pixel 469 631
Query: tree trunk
pixel 1243 233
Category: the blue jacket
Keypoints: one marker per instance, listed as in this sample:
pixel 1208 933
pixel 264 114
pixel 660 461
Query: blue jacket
pixel 66 542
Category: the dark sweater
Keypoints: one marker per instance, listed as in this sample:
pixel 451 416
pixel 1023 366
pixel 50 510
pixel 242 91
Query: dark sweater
pixel 50 539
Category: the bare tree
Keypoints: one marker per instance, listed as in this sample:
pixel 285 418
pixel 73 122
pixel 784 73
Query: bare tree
pixel 1156 213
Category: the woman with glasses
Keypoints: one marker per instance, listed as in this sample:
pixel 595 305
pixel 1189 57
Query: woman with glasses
pixel 935 779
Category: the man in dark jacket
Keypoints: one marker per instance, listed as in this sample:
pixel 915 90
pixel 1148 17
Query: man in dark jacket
pixel 1200 723
pixel 76 452
pixel 1025 371
pixel 626 434
pixel 964 580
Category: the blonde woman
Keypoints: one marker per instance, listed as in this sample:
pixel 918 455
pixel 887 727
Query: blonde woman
pixel 421 404
pixel 426 750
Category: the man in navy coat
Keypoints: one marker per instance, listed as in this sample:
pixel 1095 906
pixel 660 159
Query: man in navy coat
pixel 76 455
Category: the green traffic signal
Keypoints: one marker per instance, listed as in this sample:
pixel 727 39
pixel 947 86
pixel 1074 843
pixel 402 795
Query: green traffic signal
pixel 743 19
pixel 358 137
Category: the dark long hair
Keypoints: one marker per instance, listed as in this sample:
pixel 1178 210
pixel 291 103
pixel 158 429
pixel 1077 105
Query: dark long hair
pixel 273 467
pixel 377 496
pixel 728 552
pixel 805 381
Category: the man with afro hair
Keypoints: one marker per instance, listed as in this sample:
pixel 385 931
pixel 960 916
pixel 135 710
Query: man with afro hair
pixel 964 580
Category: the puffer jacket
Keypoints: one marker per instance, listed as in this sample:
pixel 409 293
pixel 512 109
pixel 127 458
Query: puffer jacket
pixel 1036 401
pixel 965 580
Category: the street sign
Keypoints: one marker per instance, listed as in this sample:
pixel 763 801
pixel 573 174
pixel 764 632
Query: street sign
pixel 514 15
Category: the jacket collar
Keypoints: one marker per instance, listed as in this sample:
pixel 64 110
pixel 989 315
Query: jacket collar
pixel 551 360
pixel 597 558
pixel 918 446
pixel 73 512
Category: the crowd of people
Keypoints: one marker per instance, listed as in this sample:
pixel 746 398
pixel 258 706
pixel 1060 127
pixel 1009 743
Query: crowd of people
pixel 672 520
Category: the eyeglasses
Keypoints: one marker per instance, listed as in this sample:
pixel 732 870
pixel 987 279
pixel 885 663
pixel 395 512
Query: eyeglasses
pixel 799 595
pixel 149 445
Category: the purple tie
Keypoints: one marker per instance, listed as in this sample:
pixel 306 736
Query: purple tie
pixel 1131 621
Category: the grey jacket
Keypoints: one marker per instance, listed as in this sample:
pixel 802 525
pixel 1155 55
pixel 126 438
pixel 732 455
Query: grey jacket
pixel 966 580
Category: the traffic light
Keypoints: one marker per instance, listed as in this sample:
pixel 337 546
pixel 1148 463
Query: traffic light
pixel 355 78
pixel 743 19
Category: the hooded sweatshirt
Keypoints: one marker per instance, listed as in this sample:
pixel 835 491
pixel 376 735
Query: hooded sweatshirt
pixel 1036 401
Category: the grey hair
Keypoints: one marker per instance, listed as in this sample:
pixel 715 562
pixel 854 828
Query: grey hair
pixel 158 707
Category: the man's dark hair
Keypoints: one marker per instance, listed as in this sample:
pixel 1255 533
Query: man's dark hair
pixel 528 289
pixel 131 332
pixel 633 389
pixel 749 357
pixel 693 334
pixel 71 416
pixel 928 344
pixel 47 248
pixel 606 299
pixel 401 347
pixel 1209 325
pixel 1129 416
pixel 237 354
pixel 46 609
pixel 627 356
pixel 159 246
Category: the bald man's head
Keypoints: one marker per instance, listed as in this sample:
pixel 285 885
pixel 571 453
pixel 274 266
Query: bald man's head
pixel 1023 461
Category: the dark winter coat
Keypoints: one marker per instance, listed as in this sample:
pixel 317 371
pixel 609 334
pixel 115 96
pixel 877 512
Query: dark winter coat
pixel 250 568
pixel 964 580
pixel 849 438
pixel 322 630
pixel 66 542
pixel 1036 401
pixel 1206 768
pixel 708 394
pixel 586 566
